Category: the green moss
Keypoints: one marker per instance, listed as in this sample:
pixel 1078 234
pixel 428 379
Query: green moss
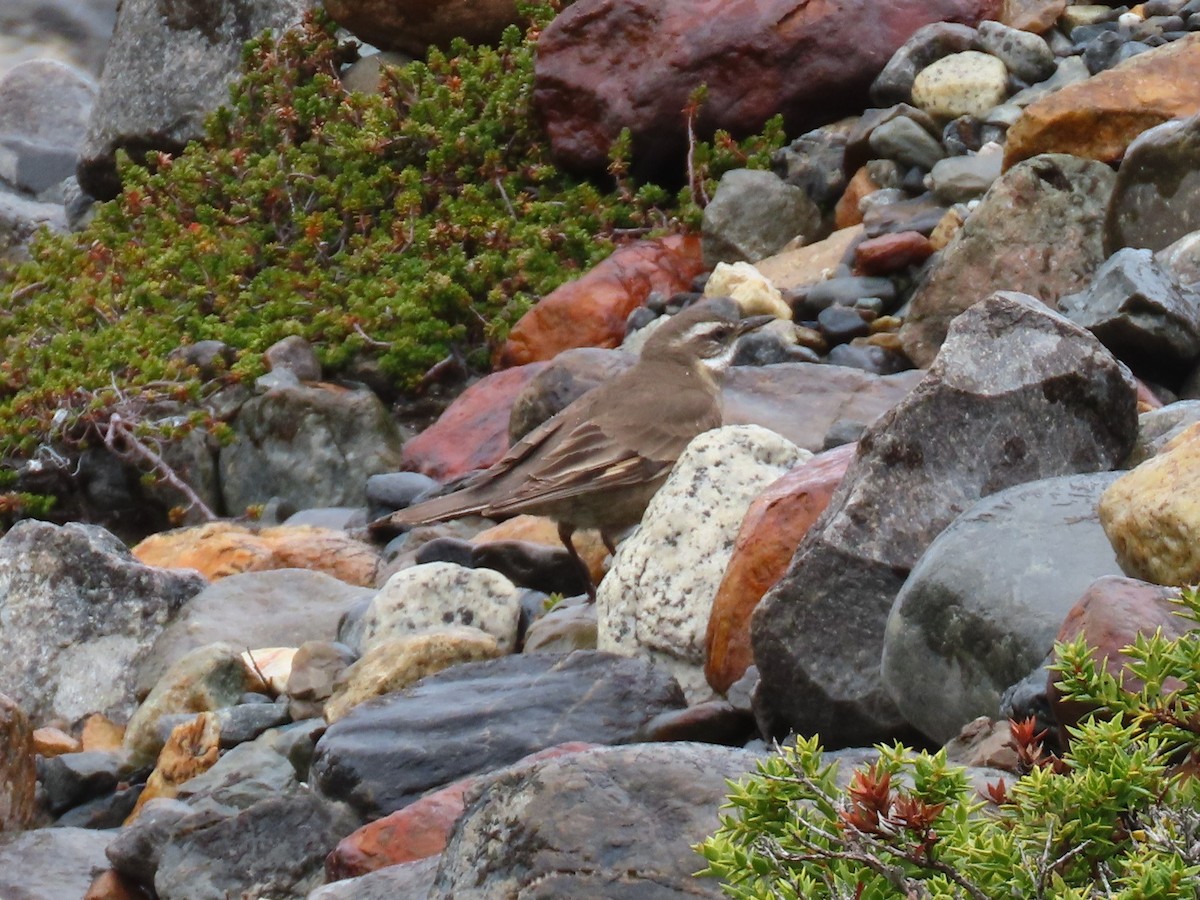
pixel 399 227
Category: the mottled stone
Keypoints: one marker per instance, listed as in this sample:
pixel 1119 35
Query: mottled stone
pixel 655 600
pixel 772 528
pixel 927 45
pixel 18 775
pixel 1099 118
pixel 963 84
pixel 1016 394
pixel 753 214
pixel 1038 231
pixel 1152 514
pixel 982 606
pixel 475 717
pixel 1025 55
pixel 591 310
pixel 191 749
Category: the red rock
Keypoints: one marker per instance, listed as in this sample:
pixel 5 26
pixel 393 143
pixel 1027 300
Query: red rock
pixel 18 776
pixel 417 831
pixel 591 310
pixel 1110 615
pixel 604 65
pixel 892 252
pixel 772 529
pixel 473 432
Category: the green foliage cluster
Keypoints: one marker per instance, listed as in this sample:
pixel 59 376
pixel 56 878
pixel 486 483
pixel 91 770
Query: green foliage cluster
pixel 1118 816
pixel 395 229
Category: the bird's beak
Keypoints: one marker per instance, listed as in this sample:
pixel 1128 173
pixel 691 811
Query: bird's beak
pixel 750 323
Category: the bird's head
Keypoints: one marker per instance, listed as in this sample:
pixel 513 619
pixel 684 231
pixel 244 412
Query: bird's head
pixel 705 332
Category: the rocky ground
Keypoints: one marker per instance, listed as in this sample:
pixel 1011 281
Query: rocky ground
pixel 971 430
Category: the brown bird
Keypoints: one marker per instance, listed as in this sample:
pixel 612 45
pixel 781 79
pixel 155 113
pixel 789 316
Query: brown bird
pixel 599 461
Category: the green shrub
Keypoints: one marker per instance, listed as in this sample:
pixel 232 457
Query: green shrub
pixel 392 229
pixel 1115 817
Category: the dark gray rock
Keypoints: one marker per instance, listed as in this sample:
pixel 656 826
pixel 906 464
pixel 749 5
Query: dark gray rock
pixel 308 445
pixel 927 45
pixel 282 607
pixel 238 724
pixel 563 827
pixel 1024 54
pixel 884 172
pixel 169 65
pixel 1156 199
pixel 478 716
pixel 754 213
pixel 768 348
pixel 109 810
pixel 1038 231
pixel 984 603
pixel 73 778
pixel 135 850
pixel 389 491
pixel 50 863
pixel 815 163
pixel 44 108
pixel 1017 394
pixel 907 143
pixel 958 179
pixel 550 570
pixel 846 291
pixel 569 376
pixel 921 214
pixel 79 612
pixel 841 324
pixel 1139 311
pixel 412 881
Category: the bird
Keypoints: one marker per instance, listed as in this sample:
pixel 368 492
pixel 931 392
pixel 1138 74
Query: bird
pixel 598 462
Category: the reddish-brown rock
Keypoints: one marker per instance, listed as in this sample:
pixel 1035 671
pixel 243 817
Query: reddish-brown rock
pixel 1037 16
pixel 473 431
pixel 112 885
pixel 770 533
pixel 591 310
pixel 847 213
pixel 220 549
pixel 604 65
pixel 412 26
pixel 1098 118
pixel 18 776
pixel 1110 615
pixel 417 831
pixel 892 252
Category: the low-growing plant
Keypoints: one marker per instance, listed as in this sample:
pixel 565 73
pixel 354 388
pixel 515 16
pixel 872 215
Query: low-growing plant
pixel 1115 817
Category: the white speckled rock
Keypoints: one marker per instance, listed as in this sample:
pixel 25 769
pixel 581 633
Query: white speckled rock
pixel 962 84
pixel 433 596
pixel 657 597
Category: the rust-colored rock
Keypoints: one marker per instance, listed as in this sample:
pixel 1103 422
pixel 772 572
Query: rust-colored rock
pixel 847 213
pixel 412 26
pixel 604 65
pixel 112 885
pixel 1099 117
pixel 541 530
pixel 220 549
pixel 473 431
pixel 892 252
pixel 1110 615
pixel 591 310
pixel 18 776
pixel 101 733
pixel 417 831
pixel 49 742
pixel 770 533
pixel 192 748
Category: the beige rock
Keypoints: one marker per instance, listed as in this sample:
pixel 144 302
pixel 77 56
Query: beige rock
pixel 191 750
pixel 101 733
pixel 1075 15
pixel 50 742
pixel 753 291
pixel 569 626
pixel 1152 514
pixel 1037 16
pixel 808 265
pixel 947 228
pixel 395 663
pixel 961 84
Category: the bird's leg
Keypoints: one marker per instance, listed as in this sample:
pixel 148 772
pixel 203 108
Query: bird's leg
pixel 608 542
pixel 564 534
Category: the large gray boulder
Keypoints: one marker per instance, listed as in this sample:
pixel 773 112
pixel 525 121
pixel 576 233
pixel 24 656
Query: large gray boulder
pixel 169 65
pixel 982 606
pixel 50 863
pixel 1017 394
pixel 78 612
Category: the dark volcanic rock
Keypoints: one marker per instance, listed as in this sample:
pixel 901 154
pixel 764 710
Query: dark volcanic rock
pixel 1017 394
pixel 616 823
pixel 982 607
pixel 604 65
pixel 479 716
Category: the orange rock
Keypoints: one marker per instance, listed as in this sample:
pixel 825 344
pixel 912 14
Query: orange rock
pixel 591 310
pixel 1037 16
pixel 54 742
pixel 111 885
pixel 540 530
pixel 417 831
pixel 473 431
pixel 192 748
pixel 100 733
pixel 846 213
pixel 1099 117
pixel 18 775
pixel 892 252
pixel 772 529
pixel 220 549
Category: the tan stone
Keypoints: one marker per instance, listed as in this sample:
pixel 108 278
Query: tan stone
pixel 100 733
pixel 50 742
pixel 1152 514
pixel 847 213
pixel 1037 16
pixel 1099 117
pixel 220 549
pixel 271 666
pixel 961 84
pixel 810 264
pixel 753 291
pixel 192 748
pixel 540 530
pixel 946 229
pixel 983 743
pixel 395 663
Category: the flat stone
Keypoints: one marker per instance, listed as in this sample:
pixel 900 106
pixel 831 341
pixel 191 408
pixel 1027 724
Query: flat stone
pixel 810 264
pixel 890 253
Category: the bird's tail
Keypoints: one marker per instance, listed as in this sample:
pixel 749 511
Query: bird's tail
pixel 436 509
